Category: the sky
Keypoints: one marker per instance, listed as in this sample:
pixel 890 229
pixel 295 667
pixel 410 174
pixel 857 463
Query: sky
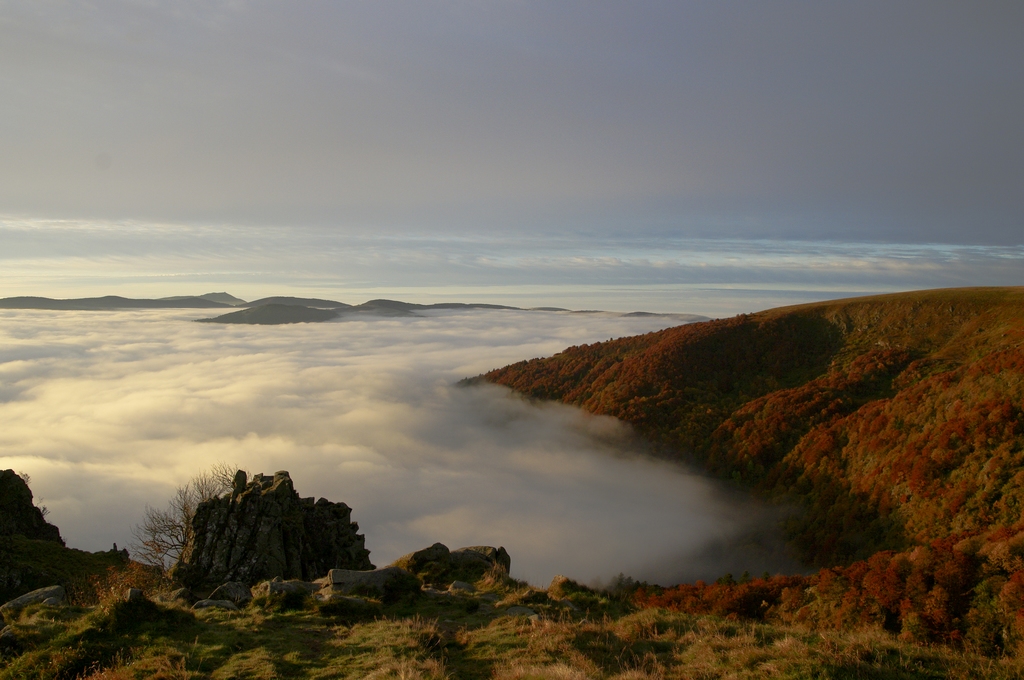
pixel 696 157
pixel 110 411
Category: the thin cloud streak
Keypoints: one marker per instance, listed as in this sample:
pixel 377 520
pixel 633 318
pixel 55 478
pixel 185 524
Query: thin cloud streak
pixel 715 277
pixel 109 411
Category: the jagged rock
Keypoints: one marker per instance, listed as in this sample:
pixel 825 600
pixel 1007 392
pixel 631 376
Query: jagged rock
pixel 262 530
pixel 294 586
pixel 235 591
pixel 18 515
pixel 390 582
pixel 36 596
pixel 216 604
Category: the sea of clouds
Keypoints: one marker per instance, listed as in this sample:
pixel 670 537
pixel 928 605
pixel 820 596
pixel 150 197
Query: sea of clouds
pixel 109 411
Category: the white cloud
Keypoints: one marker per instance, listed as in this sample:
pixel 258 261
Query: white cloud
pixel 109 411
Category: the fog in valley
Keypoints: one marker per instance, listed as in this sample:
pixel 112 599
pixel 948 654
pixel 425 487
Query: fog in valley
pixel 109 411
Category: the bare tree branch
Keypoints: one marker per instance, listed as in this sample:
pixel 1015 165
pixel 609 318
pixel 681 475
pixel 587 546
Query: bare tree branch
pixel 163 534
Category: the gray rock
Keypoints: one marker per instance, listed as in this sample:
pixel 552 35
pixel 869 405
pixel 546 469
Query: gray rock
pixel 437 564
pixel 262 530
pixel 216 604
pixel 462 587
pixel 375 582
pixel 52 602
pixel 293 586
pixel 36 596
pixel 8 640
pixel 235 591
pixel 482 553
pixel 435 558
pixel 520 611
pixel 134 595
pixel 490 597
pixel 183 595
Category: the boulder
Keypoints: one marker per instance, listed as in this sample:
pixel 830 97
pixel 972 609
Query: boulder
pixel 183 595
pixel 294 586
pixel 491 555
pixel 36 596
pixel 234 591
pixel 18 515
pixel 262 529
pixel 216 604
pixel 134 595
pixel 9 641
pixel 389 583
pixel 438 565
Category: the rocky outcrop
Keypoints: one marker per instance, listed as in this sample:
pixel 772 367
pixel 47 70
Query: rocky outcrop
pixel 18 515
pixel 263 530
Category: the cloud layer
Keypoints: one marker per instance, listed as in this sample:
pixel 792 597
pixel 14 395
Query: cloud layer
pixel 109 411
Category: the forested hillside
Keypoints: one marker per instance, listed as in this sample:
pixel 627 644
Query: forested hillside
pixel 893 420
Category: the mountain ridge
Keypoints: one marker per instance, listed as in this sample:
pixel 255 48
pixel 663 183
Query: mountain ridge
pixel 891 420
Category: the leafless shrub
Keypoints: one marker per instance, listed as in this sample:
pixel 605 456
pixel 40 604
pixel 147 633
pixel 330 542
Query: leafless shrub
pixel 163 534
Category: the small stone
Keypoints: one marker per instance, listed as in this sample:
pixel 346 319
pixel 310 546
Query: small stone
pixel 216 604
pixel 434 592
pixel 134 595
pixel 490 597
pixel 462 587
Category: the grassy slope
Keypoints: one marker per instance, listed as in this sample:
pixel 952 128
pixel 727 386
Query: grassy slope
pixel 463 637
pixel 893 419
pixel 27 564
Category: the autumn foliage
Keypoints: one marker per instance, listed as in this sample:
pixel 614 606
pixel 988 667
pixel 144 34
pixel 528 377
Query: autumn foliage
pixel 895 422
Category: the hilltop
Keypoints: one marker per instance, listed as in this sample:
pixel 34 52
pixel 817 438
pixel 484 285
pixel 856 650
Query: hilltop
pixel 892 420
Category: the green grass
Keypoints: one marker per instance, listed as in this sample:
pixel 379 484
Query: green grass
pixel 37 564
pixel 458 637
